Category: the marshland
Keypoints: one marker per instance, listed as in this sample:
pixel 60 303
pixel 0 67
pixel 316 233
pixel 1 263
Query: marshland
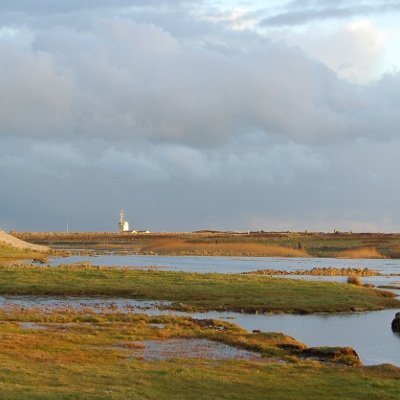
pixel 142 331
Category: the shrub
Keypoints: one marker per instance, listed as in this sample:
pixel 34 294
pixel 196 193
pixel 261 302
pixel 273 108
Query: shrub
pixel 354 279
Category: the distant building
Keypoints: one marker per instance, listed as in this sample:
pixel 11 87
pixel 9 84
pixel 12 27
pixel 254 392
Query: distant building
pixel 123 224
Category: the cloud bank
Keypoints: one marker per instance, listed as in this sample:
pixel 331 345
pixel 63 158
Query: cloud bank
pixel 186 123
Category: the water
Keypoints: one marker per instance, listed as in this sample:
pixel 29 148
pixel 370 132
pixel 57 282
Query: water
pixel 231 265
pixel 369 333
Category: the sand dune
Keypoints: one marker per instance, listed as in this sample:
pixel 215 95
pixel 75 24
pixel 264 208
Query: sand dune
pixel 19 244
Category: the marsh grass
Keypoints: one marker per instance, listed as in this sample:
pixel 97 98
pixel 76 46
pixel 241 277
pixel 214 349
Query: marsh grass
pixel 354 279
pixel 316 244
pixel 360 252
pixel 195 292
pixel 8 253
pixel 218 247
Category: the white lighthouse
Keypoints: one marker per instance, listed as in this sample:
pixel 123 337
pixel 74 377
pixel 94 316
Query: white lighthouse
pixel 123 225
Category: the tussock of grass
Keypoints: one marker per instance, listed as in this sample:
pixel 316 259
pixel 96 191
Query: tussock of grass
pixel 175 246
pixel 354 279
pixel 360 252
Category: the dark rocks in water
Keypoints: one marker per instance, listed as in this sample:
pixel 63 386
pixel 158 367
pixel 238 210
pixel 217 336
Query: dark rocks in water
pixel 396 323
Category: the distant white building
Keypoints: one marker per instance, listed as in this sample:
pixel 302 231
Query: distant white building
pixel 123 224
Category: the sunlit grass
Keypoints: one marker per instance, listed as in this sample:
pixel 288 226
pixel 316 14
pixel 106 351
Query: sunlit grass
pixel 8 253
pixel 191 291
pixel 82 356
pixel 360 252
pixel 181 247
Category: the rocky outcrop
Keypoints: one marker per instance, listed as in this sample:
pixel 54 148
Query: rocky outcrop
pixel 341 355
pixel 396 323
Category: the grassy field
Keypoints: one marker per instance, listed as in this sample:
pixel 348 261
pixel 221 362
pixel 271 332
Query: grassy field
pixel 75 355
pixel 287 244
pixel 8 253
pixel 190 291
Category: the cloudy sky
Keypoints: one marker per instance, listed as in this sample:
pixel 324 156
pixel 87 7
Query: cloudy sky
pixel 273 115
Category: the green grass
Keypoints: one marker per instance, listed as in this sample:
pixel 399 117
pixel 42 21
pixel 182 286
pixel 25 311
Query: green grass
pixel 8 253
pixel 248 293
pixel 78 356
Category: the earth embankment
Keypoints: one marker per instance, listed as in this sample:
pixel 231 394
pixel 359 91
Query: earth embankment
pixel 12 241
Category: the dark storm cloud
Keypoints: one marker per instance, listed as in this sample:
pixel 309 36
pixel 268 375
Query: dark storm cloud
pixel 302 11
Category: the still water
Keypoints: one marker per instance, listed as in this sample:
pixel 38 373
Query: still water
pixel 231 265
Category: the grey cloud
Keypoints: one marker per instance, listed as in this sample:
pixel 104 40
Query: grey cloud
pixel 249 183
pixel 300 12
pixel 121 80
pixel 224 131
pixel 66 6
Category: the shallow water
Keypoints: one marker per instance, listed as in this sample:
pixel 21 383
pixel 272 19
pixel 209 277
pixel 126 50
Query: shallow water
pixel 190 348
pixel 229 265
pixel 232 265
pixel 369 333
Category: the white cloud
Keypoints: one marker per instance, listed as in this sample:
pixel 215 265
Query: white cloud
pixel 354 52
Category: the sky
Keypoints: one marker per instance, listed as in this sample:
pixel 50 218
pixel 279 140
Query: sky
pixel 232 115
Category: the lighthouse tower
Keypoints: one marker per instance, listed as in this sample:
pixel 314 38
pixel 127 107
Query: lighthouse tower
pixel 123 225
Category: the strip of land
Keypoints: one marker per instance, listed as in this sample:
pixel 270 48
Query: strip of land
pixel 276 244
pixel 191 291
pixel 74 355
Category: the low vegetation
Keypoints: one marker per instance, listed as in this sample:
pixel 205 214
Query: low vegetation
pixel 172 246
pixel 191 291
pixel 8 253
pixel 360 252
pixel 75 355
pixel 286 244
pixel 354 279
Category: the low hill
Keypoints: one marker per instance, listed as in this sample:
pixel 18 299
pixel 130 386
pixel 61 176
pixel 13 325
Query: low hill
pixel 12 241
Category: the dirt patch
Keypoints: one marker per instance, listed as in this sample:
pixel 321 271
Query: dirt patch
pixel 155 350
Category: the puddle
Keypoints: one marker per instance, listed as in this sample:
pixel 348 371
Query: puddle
pixel 32 325
pixel 155 350
pixel 95 304
pixel 158 326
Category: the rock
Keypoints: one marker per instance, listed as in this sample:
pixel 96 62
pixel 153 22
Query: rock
pixel 342 355
pixel 396 323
